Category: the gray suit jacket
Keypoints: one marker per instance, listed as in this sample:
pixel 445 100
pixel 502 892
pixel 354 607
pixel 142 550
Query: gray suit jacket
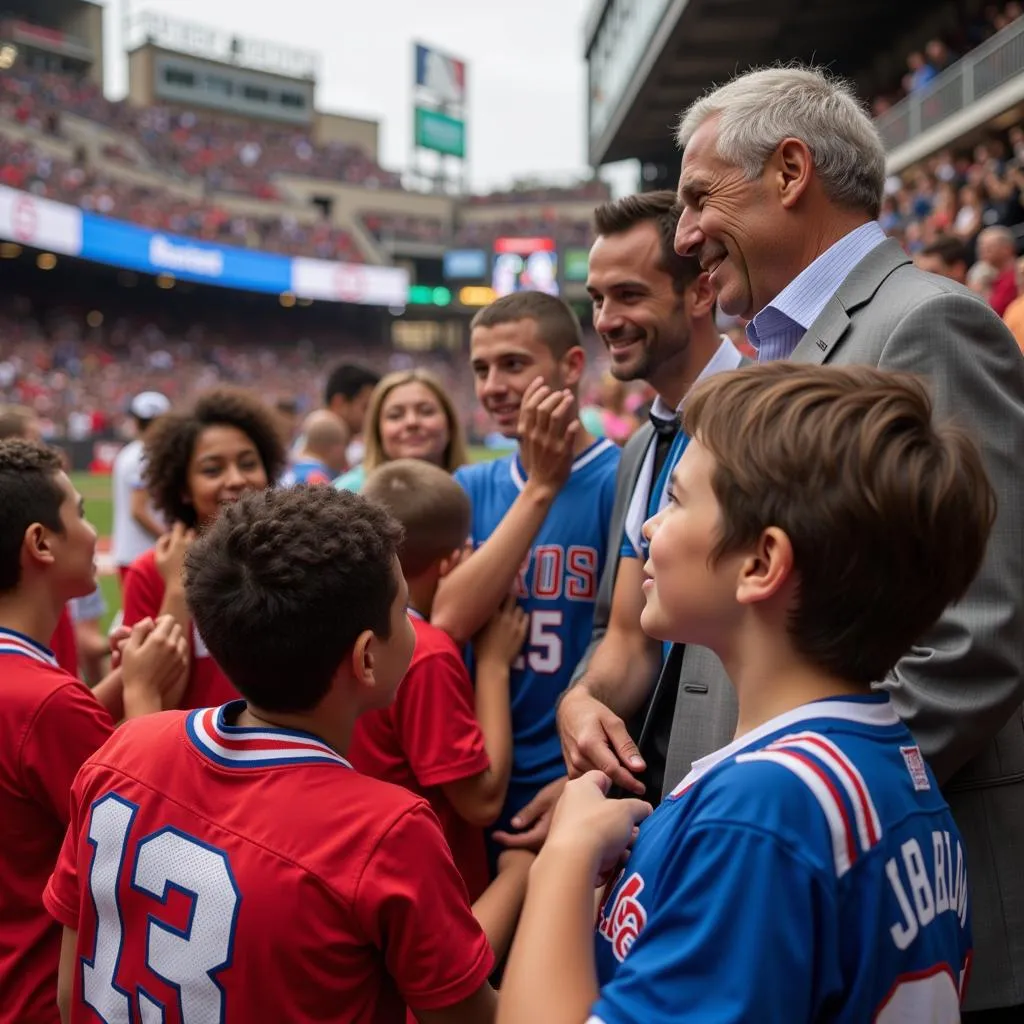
pixel 961 688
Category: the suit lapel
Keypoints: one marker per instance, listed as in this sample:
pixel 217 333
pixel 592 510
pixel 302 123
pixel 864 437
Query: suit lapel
pixel 859 287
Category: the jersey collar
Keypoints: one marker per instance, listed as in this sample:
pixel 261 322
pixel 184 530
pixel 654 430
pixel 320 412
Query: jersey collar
pixel 13 642
pixel 873 709
pixel 233 746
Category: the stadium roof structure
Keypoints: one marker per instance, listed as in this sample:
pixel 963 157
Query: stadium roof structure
pixel 647 62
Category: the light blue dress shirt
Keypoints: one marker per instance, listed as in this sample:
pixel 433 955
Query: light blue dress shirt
pixel 776 331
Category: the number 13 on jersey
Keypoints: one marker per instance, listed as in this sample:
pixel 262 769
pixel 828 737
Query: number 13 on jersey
pixel 189 930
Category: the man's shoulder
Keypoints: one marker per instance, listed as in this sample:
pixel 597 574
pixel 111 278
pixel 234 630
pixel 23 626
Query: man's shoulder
pixel 480 474
pixel 129 458
pixel 908 287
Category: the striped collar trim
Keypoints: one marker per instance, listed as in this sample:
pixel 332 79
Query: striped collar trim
pixel 13 642
pixel 584 459
pixel 234 746
pixel 872 710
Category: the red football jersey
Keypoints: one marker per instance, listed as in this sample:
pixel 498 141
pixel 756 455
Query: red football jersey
pixel 143 594
pixel 429 736
pixel 238 875
pixel 64 645
pixel 49 724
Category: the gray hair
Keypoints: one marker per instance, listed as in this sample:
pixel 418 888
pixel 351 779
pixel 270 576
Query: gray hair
pixel 1001 233
pixel 759 109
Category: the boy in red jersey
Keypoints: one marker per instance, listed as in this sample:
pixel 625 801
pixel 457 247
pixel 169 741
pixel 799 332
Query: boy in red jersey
pixel 438 738
pixel 49 721
pixel 228 864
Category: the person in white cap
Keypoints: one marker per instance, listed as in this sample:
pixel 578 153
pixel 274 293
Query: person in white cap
pixel 136 523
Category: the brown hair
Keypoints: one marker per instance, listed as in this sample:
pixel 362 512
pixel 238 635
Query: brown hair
pixel 662 208
pixel 557 326
pixel 171 440
pixel 14 421
pixel 283 583
pixel 454 454
pixel 433 510
pixel 888 513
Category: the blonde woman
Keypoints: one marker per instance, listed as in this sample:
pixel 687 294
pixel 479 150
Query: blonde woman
pixel 409 417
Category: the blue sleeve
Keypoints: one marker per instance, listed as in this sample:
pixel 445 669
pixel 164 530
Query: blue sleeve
pixel 740 930
pixel 627 549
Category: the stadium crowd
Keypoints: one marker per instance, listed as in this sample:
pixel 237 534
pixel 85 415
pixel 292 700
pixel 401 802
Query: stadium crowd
pixel 24 166
pixel 939 52
pixel 339 732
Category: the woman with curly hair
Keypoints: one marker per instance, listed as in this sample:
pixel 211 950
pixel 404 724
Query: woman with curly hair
pixel 409 417
pixel 197 461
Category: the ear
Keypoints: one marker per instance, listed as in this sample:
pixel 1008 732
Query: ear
pixel 699 299
pixel 446 565
pixel 792 167
pixel 767 570
pixel 37 545
pixel 361 660
pixel 572 365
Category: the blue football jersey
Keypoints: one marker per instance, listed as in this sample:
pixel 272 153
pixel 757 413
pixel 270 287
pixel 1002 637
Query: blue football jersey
pixel 557 586
pixel 809 871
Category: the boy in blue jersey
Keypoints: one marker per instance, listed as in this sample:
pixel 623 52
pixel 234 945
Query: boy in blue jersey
pixel 810 870
pixel 539 528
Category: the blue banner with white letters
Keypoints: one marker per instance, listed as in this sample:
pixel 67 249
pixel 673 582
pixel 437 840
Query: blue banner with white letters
pixel 189 259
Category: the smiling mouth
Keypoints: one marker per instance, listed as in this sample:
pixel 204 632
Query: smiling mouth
pixel 711 266
pixel 504 411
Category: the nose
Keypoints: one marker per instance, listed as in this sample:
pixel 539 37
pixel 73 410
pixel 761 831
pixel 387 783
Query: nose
pixel 607 319
pixel 650 526
pixel 688 233
pixel 493 384
pixel 234 477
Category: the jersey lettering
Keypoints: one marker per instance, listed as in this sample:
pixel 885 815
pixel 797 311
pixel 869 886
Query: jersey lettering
pixel 188 961
pixel 622 925
pixel 558 570
pixel 925 895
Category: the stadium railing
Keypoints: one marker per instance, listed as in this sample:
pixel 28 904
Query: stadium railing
pixel 978 87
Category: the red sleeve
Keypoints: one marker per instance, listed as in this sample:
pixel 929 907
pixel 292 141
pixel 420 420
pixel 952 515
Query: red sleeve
pixel 143 590
pixel 436 721
pixel 61 897
pixel 412 903
pixel 69 727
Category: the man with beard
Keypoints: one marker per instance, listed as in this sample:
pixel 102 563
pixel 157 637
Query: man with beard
pixel 655 312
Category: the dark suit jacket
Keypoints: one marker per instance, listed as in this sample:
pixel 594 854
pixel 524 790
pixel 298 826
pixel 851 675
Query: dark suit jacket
pixel 961 688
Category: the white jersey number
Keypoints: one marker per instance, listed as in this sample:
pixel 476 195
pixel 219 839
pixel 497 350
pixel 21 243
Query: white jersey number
pixel 930 997
pixel 188 961
pixel 544 646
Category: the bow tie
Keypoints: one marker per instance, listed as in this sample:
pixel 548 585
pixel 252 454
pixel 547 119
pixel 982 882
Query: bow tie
pixel 665 428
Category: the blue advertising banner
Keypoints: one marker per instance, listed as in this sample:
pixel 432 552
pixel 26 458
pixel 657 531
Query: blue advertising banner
pixel 157 252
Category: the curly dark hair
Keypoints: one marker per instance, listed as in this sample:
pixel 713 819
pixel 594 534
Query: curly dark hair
pixel 282 584
pixel 172 439
pixel 29 493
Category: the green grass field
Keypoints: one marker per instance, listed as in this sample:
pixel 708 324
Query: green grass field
pixel 99 508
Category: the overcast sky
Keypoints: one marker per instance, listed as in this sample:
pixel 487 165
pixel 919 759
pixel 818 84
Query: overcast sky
pixel 526 72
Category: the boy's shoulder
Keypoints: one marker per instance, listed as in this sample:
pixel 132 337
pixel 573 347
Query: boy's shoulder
pixel 477 474
pixel 338 816
pixel 824 783
pixel 432 642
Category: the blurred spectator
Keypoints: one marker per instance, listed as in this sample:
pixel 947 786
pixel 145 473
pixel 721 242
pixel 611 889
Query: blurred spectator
pixel 981 279
pixel 947 256
pixel 997 248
